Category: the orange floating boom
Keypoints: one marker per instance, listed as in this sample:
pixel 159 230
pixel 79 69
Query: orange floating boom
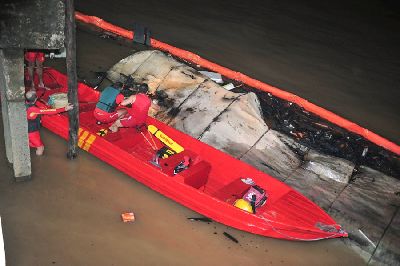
pixel 196 59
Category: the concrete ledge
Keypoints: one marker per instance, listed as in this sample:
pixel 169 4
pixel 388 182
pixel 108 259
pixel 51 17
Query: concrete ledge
pixel 329 167
pixel 322 191
pixel 154 69
pixel 34 24
pixel 366 207
pixel 388 250
pixel 275 154
pixel 23 178
pixel 238 128
pixel 201 108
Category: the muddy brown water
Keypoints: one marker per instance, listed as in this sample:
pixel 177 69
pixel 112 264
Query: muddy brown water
pixel 69 214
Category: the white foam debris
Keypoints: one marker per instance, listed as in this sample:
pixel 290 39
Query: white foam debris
pixel 229 86
pixel 216 77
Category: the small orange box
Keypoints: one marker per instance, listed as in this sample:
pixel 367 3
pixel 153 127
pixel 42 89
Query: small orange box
pixel 128 217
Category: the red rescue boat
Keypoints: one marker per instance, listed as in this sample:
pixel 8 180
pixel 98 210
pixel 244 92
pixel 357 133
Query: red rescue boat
pixel 194 174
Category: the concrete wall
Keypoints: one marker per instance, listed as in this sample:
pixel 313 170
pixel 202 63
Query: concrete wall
pixel 14 112
pixel 35 24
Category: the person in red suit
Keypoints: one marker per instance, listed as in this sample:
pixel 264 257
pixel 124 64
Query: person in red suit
pixel 106 108
pixel 137 114
pixel 35 59
pixel 33 114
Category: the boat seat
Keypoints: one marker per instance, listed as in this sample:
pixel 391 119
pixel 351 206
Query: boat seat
pixel 197 173
pixel 168 164
pixel 232 191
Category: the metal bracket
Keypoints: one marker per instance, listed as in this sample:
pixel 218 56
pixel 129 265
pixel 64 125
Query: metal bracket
pixel 141 34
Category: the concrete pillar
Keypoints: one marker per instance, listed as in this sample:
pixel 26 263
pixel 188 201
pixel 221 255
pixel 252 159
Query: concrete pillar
pixel 6 126
pixel 14 113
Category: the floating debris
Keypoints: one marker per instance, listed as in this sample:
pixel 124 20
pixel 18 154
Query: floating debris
pixel 216 77
pixel 231 237
pixel 364 152
pixel 316 133
pixel 200 219
pixel 128 217
pixel 229 86
pixel 369 240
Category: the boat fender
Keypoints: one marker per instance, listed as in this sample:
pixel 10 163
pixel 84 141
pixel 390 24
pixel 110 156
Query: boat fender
pixel 260 196
pixel 183 165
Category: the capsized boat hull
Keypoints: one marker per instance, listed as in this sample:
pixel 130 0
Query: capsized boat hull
pixel 209 186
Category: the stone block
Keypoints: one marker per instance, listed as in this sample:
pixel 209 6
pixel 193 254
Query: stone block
pixel 238 128
pixel 388 250
pixel 201 108
pixel 366 207
pixel 322 191
pixel 128 65
pixel 34 24
pixel 18 134
pixel 329 167
pixel 178 85
pixel 275 154
pixel 14 112
pixel 153 70
pixel 6 127
pixel 11 72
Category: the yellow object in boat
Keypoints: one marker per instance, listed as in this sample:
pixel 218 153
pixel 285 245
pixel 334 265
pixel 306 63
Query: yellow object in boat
pixel 165 139
pixel 243 205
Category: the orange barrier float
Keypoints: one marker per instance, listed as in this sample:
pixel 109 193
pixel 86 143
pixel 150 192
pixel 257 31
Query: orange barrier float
pixel 196 59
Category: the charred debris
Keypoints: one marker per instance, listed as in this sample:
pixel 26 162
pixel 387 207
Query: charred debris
pixel 316 133
pixel 321 135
